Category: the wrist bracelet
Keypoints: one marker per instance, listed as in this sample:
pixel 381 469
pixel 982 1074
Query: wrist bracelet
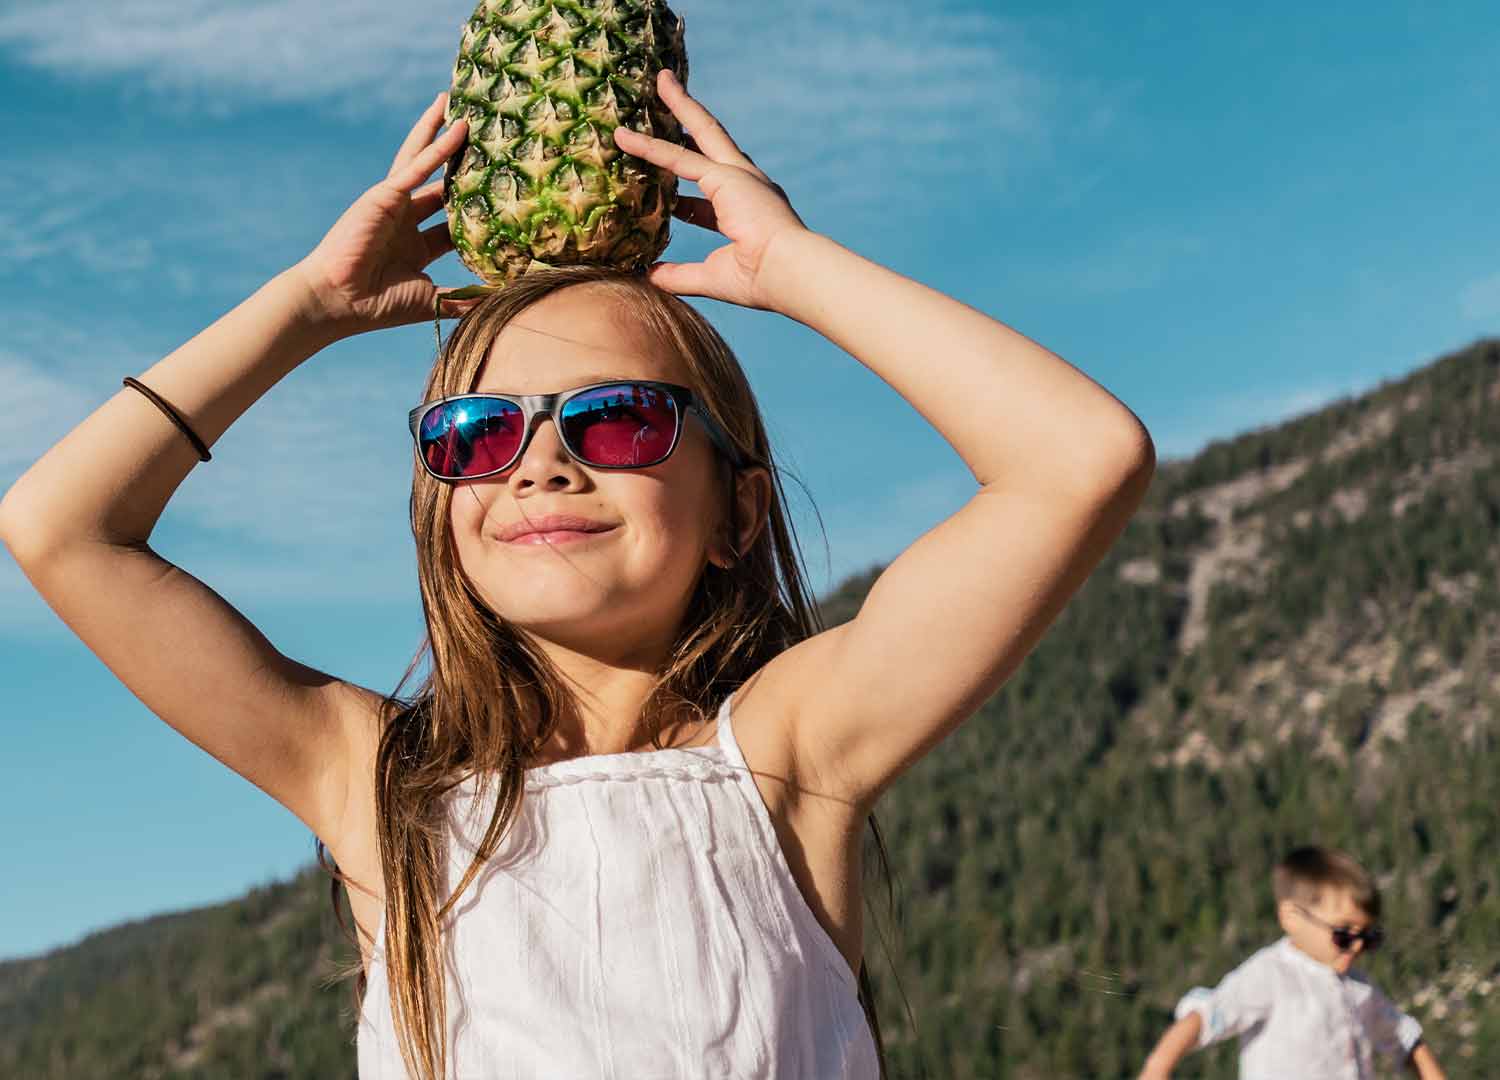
pixel 171 414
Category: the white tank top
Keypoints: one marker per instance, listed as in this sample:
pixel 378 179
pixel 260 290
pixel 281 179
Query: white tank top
pixel 638 922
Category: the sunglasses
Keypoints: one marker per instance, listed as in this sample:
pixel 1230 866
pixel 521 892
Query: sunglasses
pixel 632 424
pixel 1344 937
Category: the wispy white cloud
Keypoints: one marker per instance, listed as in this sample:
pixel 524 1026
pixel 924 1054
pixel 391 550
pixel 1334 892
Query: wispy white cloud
pixel 37 408
pixel 322 462
pixel 846 102
pixel 305 500
pixel 861 102
pixel 822 94
pixel 843 72
pixel 306 495
pixel 205 225
pixel 71 216
pixel 220 57
pixel 858 108
pixel 1480 300
pixel 1138 257
pixel 24 615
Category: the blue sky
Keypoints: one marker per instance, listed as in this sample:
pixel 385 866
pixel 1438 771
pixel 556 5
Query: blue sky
pixel 1225 218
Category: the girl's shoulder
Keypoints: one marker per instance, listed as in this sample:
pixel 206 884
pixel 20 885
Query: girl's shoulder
pixel 764 723
pixel 758 723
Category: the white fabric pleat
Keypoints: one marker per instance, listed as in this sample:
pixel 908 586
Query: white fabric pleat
pixel 638 922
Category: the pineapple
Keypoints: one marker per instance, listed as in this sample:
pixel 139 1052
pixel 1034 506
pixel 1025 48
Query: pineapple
pixel 543 85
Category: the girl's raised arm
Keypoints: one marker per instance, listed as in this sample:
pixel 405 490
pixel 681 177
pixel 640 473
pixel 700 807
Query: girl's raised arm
pixel 1060 466
pixel 79 521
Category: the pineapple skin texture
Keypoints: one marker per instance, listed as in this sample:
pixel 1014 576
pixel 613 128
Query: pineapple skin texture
pixel 543 84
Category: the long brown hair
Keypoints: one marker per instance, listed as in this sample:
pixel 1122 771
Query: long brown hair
pixel 491 697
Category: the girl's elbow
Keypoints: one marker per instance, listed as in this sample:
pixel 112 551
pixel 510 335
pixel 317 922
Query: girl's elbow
pixel 1145 458
pixel 1139 449
pixel 10 527
pixel 1125 462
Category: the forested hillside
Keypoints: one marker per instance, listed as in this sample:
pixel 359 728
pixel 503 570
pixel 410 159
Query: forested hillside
pixel 1297 640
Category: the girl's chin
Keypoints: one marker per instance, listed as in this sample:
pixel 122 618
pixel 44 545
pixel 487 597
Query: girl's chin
pixel 565 623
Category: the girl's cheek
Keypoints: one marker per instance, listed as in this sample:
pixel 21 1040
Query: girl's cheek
pixel 465 516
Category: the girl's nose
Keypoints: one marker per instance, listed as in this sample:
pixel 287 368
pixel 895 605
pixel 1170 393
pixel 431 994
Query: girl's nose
pixel 546 461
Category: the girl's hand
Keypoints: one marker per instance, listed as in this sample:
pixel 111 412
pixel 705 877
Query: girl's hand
pixel 368 272
pixel 742 203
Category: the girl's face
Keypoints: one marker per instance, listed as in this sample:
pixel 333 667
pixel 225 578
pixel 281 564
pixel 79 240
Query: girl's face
pixel 612 594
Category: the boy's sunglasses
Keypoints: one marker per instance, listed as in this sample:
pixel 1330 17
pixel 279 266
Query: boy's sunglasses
pixel 1344 937
pixel 632 424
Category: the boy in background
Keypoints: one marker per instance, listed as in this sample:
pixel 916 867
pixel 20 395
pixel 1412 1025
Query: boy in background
pixel 1299 1008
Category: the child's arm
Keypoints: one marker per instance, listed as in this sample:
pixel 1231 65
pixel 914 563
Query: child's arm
pixel 1060 467
pixel 1424 1063
pixel 1175 1044
pixel 79 521
pixel 1205 1016
pixel 1397 1036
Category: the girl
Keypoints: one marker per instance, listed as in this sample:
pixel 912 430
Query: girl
pixel 616 832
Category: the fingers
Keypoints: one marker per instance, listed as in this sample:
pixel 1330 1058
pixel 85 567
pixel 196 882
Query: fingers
pixel 437 241
pixel 696 211
pixel 707 143
pixel 407 176
pixel 453 309
pixel 683 279
pixel 670 156
pixel 449 308
pixel 421 134
pixel 426 201
pixel 707 132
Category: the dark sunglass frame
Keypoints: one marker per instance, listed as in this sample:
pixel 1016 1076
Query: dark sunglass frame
pixel 536 407
pixel 1344 937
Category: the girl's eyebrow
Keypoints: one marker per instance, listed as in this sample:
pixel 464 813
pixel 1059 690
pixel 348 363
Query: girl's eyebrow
pixel 584 380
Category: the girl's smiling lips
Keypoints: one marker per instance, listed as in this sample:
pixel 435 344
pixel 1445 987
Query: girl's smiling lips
pixel 551 529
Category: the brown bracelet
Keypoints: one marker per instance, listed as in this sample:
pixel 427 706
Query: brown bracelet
pixel 171 414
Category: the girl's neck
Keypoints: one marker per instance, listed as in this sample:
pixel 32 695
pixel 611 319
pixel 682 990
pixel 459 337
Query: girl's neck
pixel 686 729
pixel 609 718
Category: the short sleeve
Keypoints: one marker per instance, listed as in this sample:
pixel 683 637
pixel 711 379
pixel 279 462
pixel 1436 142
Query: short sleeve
pixel 1240 1001
pixel 1393 1033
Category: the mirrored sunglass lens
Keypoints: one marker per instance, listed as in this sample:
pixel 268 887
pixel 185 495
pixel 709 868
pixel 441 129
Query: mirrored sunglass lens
pixel 1344 939
pixel 470 436
pixel 627 424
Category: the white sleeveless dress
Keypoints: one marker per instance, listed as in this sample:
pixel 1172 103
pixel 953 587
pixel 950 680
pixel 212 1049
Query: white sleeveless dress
pixel 638 922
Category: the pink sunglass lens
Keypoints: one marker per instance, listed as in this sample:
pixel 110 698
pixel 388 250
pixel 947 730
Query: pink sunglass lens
pixel 624 425
pixel 470 437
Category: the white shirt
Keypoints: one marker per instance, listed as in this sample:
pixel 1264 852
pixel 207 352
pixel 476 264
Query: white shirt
pixel 638 921
pixel 1299 1018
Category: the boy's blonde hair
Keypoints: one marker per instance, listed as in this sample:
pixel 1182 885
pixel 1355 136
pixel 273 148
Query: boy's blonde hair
pixel 1307 871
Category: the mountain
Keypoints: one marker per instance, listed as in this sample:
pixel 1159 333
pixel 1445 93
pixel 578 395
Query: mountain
pixel 234 990
pixel 1296 640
